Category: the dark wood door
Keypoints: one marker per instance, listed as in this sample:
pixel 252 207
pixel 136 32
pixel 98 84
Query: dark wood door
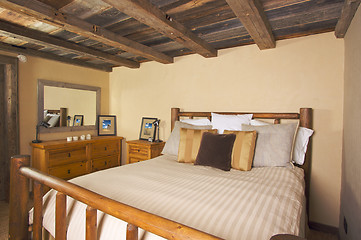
pixel 9 124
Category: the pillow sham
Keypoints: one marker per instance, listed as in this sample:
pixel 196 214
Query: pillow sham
pixel 172 144
pixel 273 145
pixel 190 140
pixel 300 144
pixel 197 122
pixel 300 147
pixel 216 150
pixel 243 149
pixel 223 122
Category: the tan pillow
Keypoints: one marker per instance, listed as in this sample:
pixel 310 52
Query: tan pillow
pixel 190 140
pixel 243 149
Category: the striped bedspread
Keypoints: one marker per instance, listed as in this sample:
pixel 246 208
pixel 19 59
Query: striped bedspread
pixel 231 205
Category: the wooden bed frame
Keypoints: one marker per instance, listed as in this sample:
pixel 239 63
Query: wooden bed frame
pixel 21 174
pixel 305 120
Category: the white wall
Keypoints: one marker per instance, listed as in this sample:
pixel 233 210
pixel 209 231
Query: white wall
pixel 301 72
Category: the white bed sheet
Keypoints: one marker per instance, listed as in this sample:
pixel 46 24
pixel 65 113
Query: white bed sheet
pixel 231 205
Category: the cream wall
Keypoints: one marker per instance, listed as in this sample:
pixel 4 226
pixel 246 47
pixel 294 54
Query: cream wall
pixel 302 72
pixel 351 164
pixel 37 68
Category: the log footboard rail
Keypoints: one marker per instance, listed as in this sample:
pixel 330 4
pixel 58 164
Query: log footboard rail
pixel 21 174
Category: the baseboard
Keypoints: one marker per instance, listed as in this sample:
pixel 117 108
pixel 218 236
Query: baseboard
pixel 323 228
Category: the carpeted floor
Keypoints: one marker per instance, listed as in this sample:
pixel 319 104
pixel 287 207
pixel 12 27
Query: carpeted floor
pixel 4 226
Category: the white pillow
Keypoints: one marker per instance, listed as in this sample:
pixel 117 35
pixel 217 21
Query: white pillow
pixel 197 122
pixel 172 144
pixel 301 142
pixel 53 119
pixel 223 122
pixel 255 122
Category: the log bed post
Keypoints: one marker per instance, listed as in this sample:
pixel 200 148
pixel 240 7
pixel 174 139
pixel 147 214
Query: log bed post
pixel 174 116
pixel 306 121
pixel 19 195
pixel 91 223
pixel 132 232
pixel 38 211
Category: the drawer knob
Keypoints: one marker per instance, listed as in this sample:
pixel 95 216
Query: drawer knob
pixel 138 150
pixel 105 163
pixel 68 171
pixel 69 154
pixel 105 148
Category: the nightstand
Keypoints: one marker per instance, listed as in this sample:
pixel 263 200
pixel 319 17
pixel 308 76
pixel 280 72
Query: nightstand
pixel 140 150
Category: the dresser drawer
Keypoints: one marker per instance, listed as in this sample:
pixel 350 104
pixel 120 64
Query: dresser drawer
pixel 104 149
pixel 103 163
pixel 69 171
pixel 65 156
pixel 134 159
pixel 139 150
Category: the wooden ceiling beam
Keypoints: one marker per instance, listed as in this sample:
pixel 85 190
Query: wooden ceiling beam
pixel 145 12
pixel 51 56
pixel 50 15
pixel 253 18
pixel 38 37
pixel 348 12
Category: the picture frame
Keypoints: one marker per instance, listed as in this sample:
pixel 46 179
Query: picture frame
pixel 147 129
pixel 78 120
pixel 107 125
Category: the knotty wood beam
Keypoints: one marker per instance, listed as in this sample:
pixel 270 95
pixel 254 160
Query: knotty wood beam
pixel 348 12
pixel 34 36
pixel 253 18
pixel 50 15
pixel 145 12
pixel 51 56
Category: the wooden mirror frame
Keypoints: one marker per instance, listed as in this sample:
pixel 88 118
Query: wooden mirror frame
pixel 42 83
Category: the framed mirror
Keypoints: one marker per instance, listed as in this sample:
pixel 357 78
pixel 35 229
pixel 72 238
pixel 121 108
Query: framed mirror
pixel 60 104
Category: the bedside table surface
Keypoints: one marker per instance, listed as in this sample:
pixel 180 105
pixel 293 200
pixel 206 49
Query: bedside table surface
pixel 144 142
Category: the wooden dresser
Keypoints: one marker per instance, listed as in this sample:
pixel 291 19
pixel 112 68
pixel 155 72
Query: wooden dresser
pixel 140 150
pixel 71 159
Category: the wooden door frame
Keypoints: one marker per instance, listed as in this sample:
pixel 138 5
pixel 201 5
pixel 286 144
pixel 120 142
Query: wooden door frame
pixel 9 66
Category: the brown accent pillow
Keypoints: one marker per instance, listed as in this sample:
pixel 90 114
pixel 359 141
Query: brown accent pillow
pixel 216 150
pixel 190 140
pixel 243 149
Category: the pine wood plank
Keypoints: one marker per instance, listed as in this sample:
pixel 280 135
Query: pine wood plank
pixel 147 13
pixel 45 13
pixel 51 56
pixel 252 16
pixel 41 38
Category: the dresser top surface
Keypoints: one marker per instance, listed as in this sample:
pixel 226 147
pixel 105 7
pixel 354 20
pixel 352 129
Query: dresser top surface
pixel 47 144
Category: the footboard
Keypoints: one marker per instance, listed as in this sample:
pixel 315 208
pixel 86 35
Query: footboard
pixel 21 174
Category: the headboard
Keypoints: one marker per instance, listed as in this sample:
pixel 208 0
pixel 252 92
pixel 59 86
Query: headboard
pixel 304 116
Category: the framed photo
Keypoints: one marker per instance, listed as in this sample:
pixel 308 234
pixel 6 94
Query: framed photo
pixel 78 120
pixel 107 125
pixel 147 129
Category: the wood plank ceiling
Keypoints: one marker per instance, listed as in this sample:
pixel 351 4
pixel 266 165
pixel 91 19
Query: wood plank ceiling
pixel 109 33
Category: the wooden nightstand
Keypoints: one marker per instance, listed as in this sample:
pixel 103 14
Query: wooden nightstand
pixel 140 150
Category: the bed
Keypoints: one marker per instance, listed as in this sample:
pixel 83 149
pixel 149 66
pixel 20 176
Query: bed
pixel 194 202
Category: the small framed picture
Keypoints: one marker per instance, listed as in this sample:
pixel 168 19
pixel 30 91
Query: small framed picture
pixel 147 129
pixel 78 120
pixel 107 125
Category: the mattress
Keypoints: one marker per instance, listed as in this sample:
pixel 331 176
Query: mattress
pixel 231 205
